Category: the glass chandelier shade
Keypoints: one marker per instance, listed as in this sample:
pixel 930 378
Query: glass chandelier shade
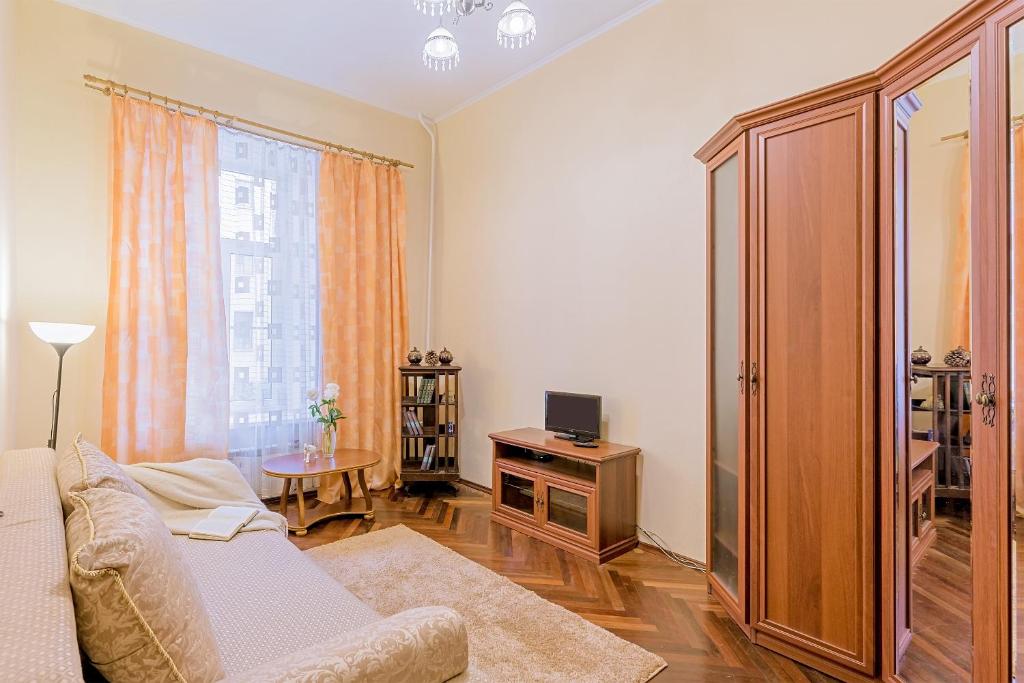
pixel 434 7
pixel 517 26
pixel 441 52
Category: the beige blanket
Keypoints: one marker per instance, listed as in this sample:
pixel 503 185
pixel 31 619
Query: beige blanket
pixel 184 493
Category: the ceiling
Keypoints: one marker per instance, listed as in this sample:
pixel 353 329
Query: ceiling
pixel 370 50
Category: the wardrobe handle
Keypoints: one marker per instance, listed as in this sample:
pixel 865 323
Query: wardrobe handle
pixel 739 377
pixel 753 379
pixel 986 398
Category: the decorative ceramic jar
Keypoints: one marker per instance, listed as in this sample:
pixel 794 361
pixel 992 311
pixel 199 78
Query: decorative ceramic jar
pixel 431 358
pixel 958 358
pixel 920 357
pixel 415 356
pixel 445 357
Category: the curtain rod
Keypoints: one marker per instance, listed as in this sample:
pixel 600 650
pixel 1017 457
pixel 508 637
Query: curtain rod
pixel 1014 122
pixel 108 87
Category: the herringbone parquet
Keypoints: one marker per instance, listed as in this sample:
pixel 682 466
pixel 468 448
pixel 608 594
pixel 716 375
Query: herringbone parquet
pixel 640 596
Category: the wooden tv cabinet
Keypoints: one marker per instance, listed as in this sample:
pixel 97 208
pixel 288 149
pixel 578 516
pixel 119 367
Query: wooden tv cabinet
pixel 582 500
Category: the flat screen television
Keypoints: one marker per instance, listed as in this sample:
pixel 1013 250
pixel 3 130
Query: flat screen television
pixel 576 415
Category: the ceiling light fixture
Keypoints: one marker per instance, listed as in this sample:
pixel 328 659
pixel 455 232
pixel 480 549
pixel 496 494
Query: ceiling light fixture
pixel 434 7
pixel 517 26
pixel 441 52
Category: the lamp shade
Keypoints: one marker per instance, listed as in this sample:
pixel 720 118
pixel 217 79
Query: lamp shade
pixel 441 52
pixel 62 333
pixel 517 26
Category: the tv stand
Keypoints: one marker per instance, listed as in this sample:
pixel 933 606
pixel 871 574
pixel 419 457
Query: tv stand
pixel 582 501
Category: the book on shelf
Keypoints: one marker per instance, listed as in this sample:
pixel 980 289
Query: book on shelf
pixel 428 457
pixel 413 426
pixel 426 393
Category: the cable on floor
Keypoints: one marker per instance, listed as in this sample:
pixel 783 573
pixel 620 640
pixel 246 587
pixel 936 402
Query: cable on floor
pixel 671 554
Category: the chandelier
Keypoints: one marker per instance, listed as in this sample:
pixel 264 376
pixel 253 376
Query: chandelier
pixel 517 27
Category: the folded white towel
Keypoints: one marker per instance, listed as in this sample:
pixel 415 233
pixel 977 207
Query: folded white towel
pixel 223 523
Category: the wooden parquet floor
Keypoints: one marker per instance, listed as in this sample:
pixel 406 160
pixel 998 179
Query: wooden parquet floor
pixel 941 619
pixel 640 596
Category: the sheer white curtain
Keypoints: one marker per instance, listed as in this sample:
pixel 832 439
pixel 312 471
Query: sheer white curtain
pixel 269 254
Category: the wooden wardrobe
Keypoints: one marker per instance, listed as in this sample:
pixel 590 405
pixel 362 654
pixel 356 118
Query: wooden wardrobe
pixel 807 512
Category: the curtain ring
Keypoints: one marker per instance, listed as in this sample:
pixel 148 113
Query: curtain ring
pixel 149 96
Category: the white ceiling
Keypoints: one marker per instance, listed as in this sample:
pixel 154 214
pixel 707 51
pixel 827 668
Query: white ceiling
pixel 369 50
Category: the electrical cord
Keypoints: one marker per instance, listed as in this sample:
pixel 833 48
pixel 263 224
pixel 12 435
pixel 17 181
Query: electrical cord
pixel 671 554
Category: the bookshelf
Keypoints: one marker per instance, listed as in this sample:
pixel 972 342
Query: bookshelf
pixel 949 411
pixel 430 423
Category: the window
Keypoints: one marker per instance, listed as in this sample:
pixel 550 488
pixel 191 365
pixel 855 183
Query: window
pixel 269 260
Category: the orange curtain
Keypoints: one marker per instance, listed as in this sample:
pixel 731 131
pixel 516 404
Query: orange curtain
pixel 960 283
pixel 363 309
pixel 165 380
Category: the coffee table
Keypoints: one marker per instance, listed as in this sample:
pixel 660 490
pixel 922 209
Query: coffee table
pixel 345 460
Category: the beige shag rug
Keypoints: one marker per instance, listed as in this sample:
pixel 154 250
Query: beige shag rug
pixel 514 634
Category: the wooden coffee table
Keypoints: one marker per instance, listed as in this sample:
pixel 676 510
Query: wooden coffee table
pixel 345 460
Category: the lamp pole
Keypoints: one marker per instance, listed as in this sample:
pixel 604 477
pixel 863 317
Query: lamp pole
pixel 61 349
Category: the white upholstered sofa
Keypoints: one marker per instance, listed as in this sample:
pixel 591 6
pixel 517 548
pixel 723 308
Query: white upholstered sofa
pixel 274 614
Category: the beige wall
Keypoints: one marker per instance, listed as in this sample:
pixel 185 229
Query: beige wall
pixel 6 242
pixel 61 218
pixel 571 237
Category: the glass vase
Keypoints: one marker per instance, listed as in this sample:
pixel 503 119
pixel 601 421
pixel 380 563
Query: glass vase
pixel 329 442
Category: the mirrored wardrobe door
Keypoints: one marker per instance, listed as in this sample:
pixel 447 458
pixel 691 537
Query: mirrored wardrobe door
pixel 1014 207
pixel 933 222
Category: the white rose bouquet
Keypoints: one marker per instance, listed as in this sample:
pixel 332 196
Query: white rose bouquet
pixel 323 408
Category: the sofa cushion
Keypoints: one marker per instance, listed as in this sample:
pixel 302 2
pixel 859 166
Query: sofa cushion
pixel 420 645
pixel 84 466
pixel 266 599
pixel 37 626
pixel 138 611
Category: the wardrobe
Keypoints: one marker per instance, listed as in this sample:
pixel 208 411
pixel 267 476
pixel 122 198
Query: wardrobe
pixel 808 462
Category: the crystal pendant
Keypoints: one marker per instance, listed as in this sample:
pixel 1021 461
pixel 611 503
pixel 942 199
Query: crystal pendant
pixel 434 7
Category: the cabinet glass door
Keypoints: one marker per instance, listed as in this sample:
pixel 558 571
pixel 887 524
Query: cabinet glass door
pixel 567 509
pixel 727 383
pixel 517 492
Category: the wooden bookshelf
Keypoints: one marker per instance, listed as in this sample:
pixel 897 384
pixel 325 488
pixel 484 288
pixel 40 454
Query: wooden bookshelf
pixel 950 408
pixel 436 415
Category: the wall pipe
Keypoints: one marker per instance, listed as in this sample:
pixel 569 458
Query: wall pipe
pixel 431 127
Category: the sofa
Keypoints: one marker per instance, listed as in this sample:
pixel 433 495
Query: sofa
pixel 274 615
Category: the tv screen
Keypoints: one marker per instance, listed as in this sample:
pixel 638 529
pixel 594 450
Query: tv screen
pixel 577 414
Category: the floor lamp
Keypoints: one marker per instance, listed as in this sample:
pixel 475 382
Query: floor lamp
pixel 61 336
